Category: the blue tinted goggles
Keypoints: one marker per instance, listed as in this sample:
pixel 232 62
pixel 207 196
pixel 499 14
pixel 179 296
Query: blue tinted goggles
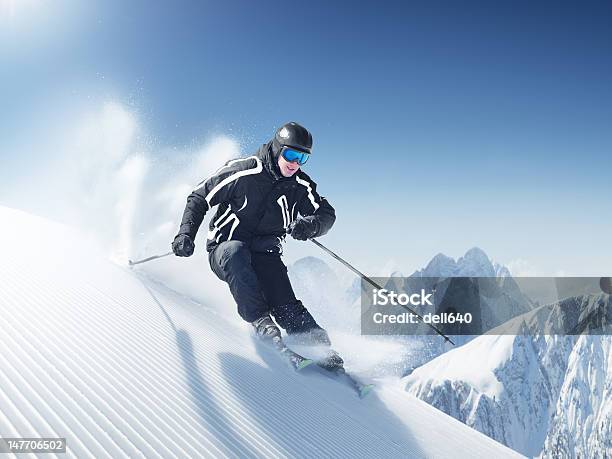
pixel 292 155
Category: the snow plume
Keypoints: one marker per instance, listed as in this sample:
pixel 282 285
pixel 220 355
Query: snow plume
pixel 92 176
pixel 105 175
pixel 129 178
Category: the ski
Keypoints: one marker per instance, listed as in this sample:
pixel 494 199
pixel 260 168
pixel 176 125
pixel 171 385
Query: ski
pixel 341 374
pixel 330 366
pixel 297 361
pixel 334 366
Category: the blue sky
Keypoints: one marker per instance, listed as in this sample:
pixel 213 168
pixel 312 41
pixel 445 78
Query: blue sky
pixel 437 126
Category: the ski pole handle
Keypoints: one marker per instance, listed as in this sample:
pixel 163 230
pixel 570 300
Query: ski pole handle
pixel 144 260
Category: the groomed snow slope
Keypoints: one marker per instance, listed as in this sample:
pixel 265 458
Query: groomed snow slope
pixel 122 366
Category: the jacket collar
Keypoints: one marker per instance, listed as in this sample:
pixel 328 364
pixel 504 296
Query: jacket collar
pixel 265 155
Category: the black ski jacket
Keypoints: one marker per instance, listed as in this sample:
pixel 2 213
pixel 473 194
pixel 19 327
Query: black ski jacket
pixel 256 203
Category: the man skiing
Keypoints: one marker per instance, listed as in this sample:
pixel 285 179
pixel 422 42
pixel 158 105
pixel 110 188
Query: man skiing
pixel 260 199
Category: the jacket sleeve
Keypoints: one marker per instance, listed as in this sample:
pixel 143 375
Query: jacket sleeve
pixel 214 190
pixel 314 204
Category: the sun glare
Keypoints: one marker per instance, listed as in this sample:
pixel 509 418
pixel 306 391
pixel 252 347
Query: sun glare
pixel 13 8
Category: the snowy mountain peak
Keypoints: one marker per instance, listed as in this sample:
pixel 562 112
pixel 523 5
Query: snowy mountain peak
pixel 441 264
pixel 476 253
pixel 310 262
pixel 475 263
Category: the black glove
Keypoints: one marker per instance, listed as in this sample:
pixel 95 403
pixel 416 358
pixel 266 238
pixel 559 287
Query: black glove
pixel 303 228
pixel 183 245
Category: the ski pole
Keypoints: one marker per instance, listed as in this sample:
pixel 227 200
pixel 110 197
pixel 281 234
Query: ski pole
pixel 144 260
pixel 374 284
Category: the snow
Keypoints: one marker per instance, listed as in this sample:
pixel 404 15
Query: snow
pixel 547 395
pixel 582 420
pixel 122 365
pixel 488 352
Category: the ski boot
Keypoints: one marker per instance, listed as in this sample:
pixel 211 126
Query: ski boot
pixel 317 336
pixel 332 362
pixel 266 329
pixel 269 333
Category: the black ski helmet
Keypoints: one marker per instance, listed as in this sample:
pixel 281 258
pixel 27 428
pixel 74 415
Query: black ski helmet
pixel 291 135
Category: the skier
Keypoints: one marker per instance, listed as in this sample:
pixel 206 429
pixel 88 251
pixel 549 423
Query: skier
pixel 261 198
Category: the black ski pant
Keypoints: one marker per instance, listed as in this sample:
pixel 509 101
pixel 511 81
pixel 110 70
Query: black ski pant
pixel 260 285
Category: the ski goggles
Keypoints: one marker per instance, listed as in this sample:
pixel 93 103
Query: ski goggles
pixel 292 155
